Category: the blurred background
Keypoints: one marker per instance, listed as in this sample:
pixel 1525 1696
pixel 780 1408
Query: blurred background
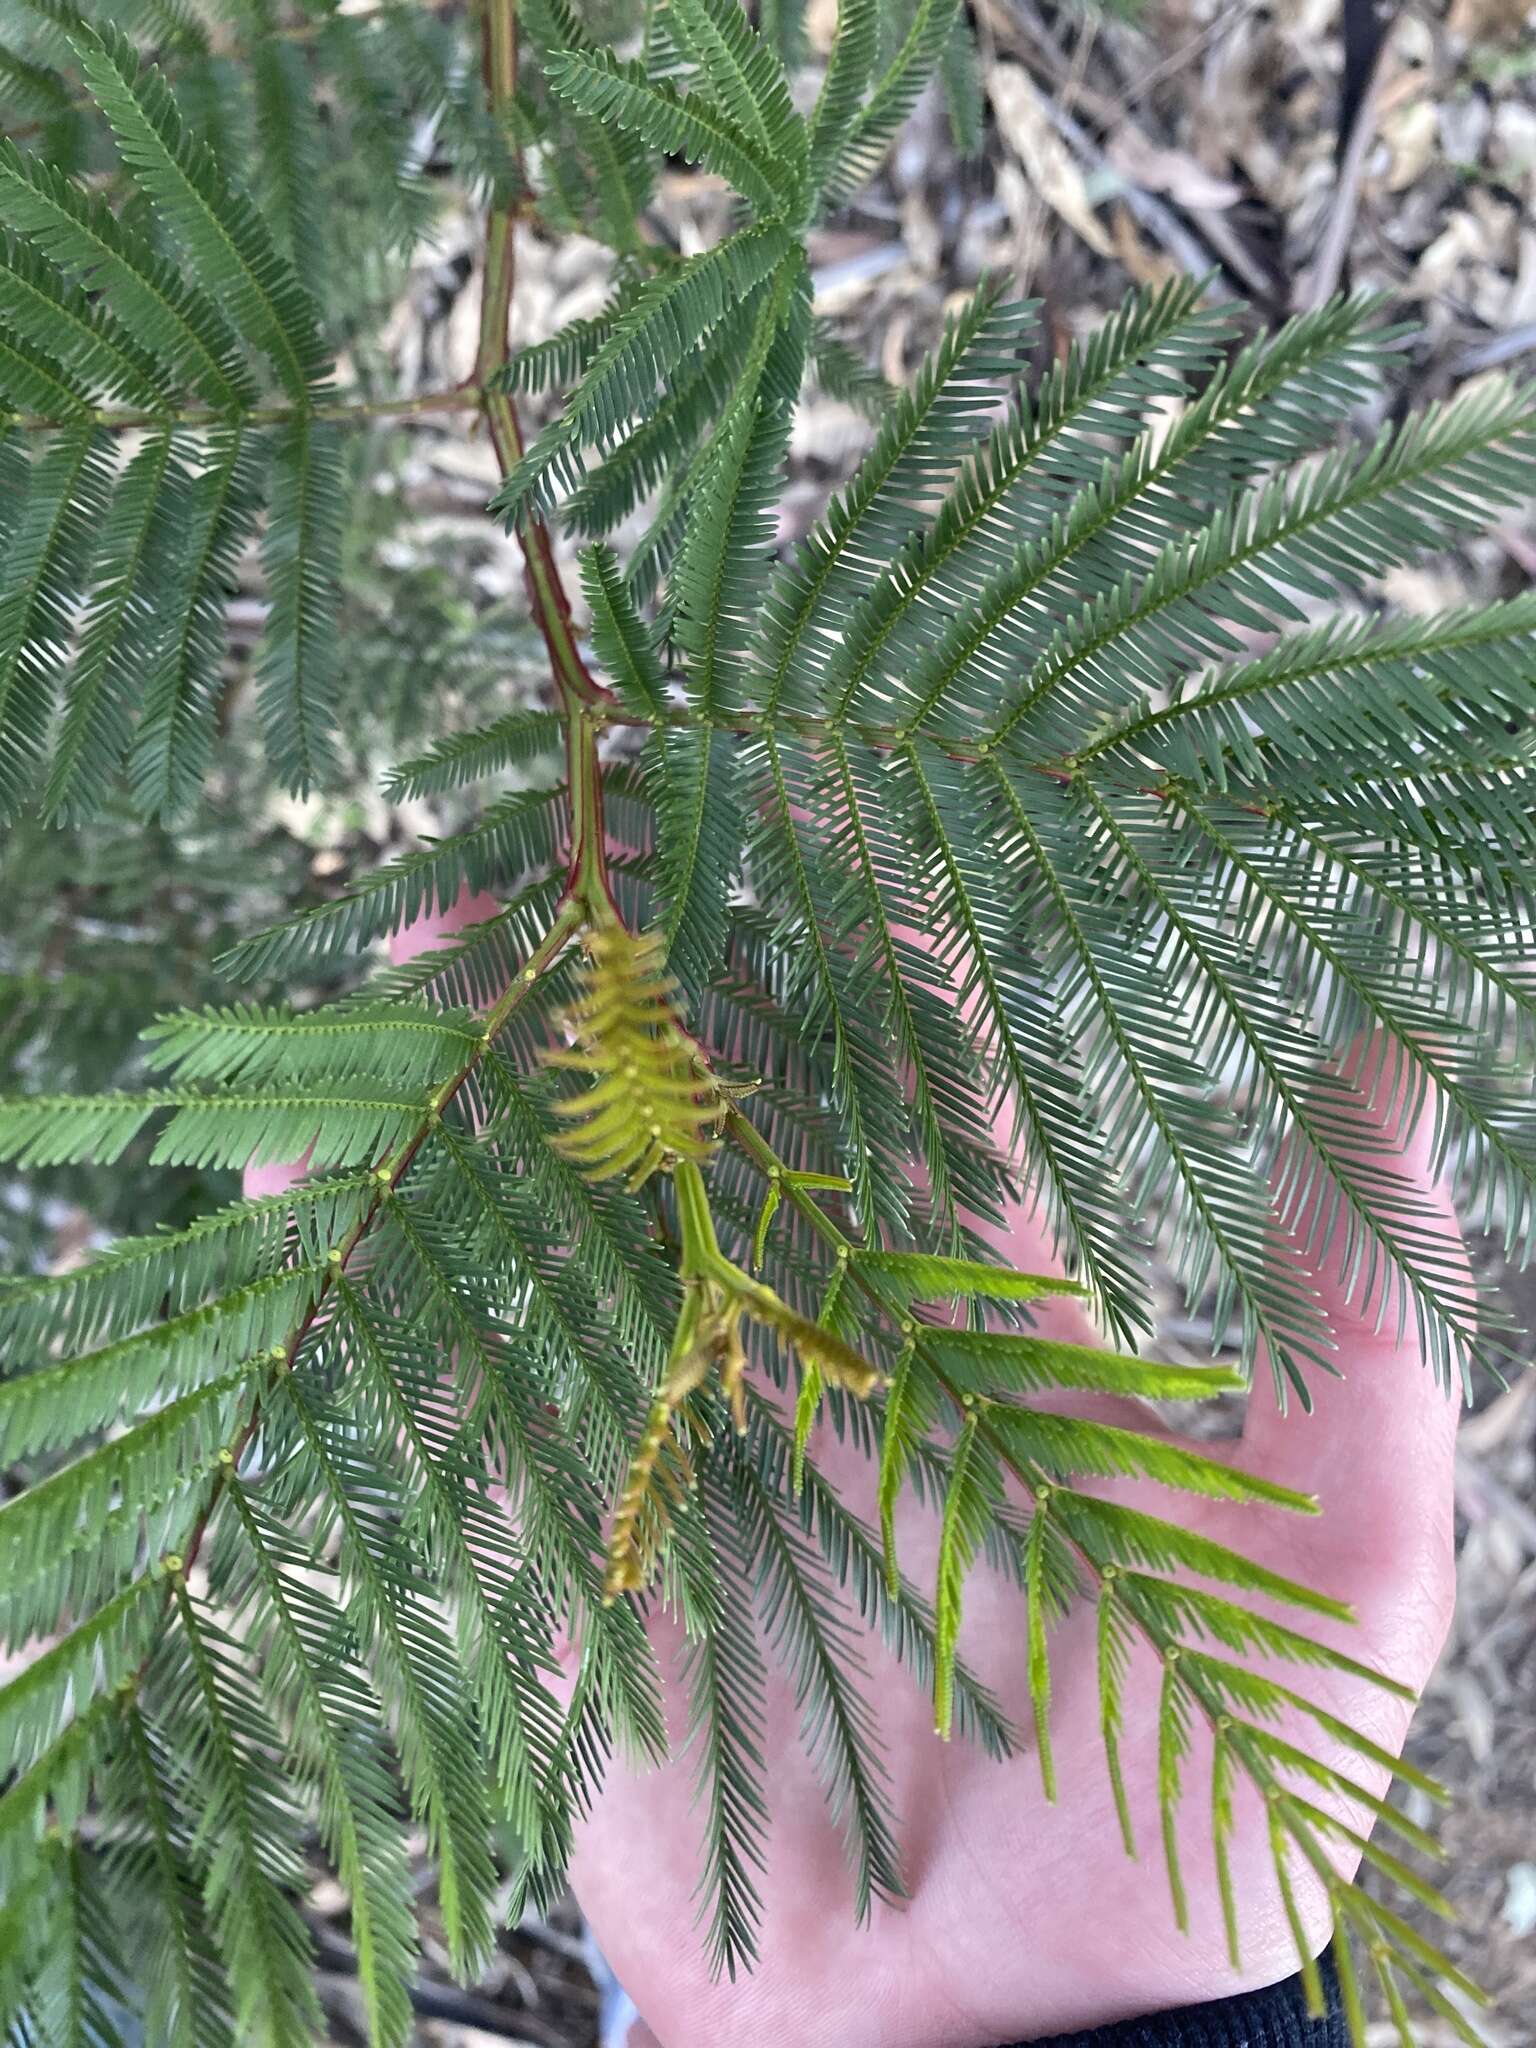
pixel 1285 149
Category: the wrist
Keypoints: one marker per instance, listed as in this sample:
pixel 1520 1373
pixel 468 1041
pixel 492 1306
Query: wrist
pixel 1275 2017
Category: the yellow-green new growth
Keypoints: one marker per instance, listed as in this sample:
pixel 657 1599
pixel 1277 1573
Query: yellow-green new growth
pixel 717 1296
pixel 653 1100
pixel 655 1104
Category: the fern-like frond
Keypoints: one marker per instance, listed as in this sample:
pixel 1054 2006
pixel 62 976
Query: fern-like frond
pixel 297 672
pixel 391 1606
pixel 134 567
pixel 725 1680
pixel 625 645
pixel 173 740
pixel 665 321
pixel 163 1454
pixel 514 835
pixel 698 815
pixel 1030 465
pixel 720 581
pixel 853 153
pixel 689 127
pixel 855 48
pixel 80 1976
pixel 840 371
pixel 337 1754
pixel 1348 519
pixel 927 1276
pixel 58 1404
pixel 738 66
pixel 136 1280
pixel 402 1044
pixel 1123 1013
pixel 344 1122
pixel 171 318
pixel 518 739
pixel 1275 402
pixel 810 1636
pixel 1392 690
pixel 186 1999
pixel 40 304
pixel 223 236
pixel 968 918
pixel 817 984
pixel 290 138
pixel 653 456
pixel 922 438
pixel 228 1772
pixel 49 555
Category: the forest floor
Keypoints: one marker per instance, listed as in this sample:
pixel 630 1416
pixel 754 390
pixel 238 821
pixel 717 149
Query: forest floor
pixel 1289 149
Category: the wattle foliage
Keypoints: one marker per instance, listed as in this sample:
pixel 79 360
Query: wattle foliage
pixel 1037 778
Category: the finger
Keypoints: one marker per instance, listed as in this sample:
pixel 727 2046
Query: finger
pixel 436 928
pixel 274 1176
pixel 1378 1449
pixel 440 927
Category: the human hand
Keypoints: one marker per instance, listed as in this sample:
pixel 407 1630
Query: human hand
pixel 1026 1918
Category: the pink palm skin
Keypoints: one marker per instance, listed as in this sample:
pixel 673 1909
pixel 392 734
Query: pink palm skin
pixel 1026 1918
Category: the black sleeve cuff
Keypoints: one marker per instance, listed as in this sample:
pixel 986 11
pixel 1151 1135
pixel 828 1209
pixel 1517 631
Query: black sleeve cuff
pixel 1276 2018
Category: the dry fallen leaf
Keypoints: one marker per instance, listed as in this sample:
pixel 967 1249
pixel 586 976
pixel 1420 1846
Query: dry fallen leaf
pixel 1491 21
pixel 1145 264
pixel 1460 241
pixel 1046 162
pixel 1174 171
pixel 1412 135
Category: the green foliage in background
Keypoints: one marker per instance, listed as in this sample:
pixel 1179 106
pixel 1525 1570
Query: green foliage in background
pixel 1069 679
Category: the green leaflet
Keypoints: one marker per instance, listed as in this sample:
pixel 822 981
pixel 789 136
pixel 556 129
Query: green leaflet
pixel 924 1276
pixel 173 741
pixel 625 645
pixel 720 581
pixel 1038 1603
pixel 868 136
pixel 50 551
pixel 854 49
pixel 104 687
pixel 519 739
pixel 249 1888
pixel 515 834
pixel 171 319
pixel 41 305
pixel 648 340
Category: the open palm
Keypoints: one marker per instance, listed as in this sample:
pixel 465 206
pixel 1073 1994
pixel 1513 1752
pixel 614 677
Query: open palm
pixel 1025 1917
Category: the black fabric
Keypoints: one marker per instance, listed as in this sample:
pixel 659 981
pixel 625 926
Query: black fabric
pixel 1276 2018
